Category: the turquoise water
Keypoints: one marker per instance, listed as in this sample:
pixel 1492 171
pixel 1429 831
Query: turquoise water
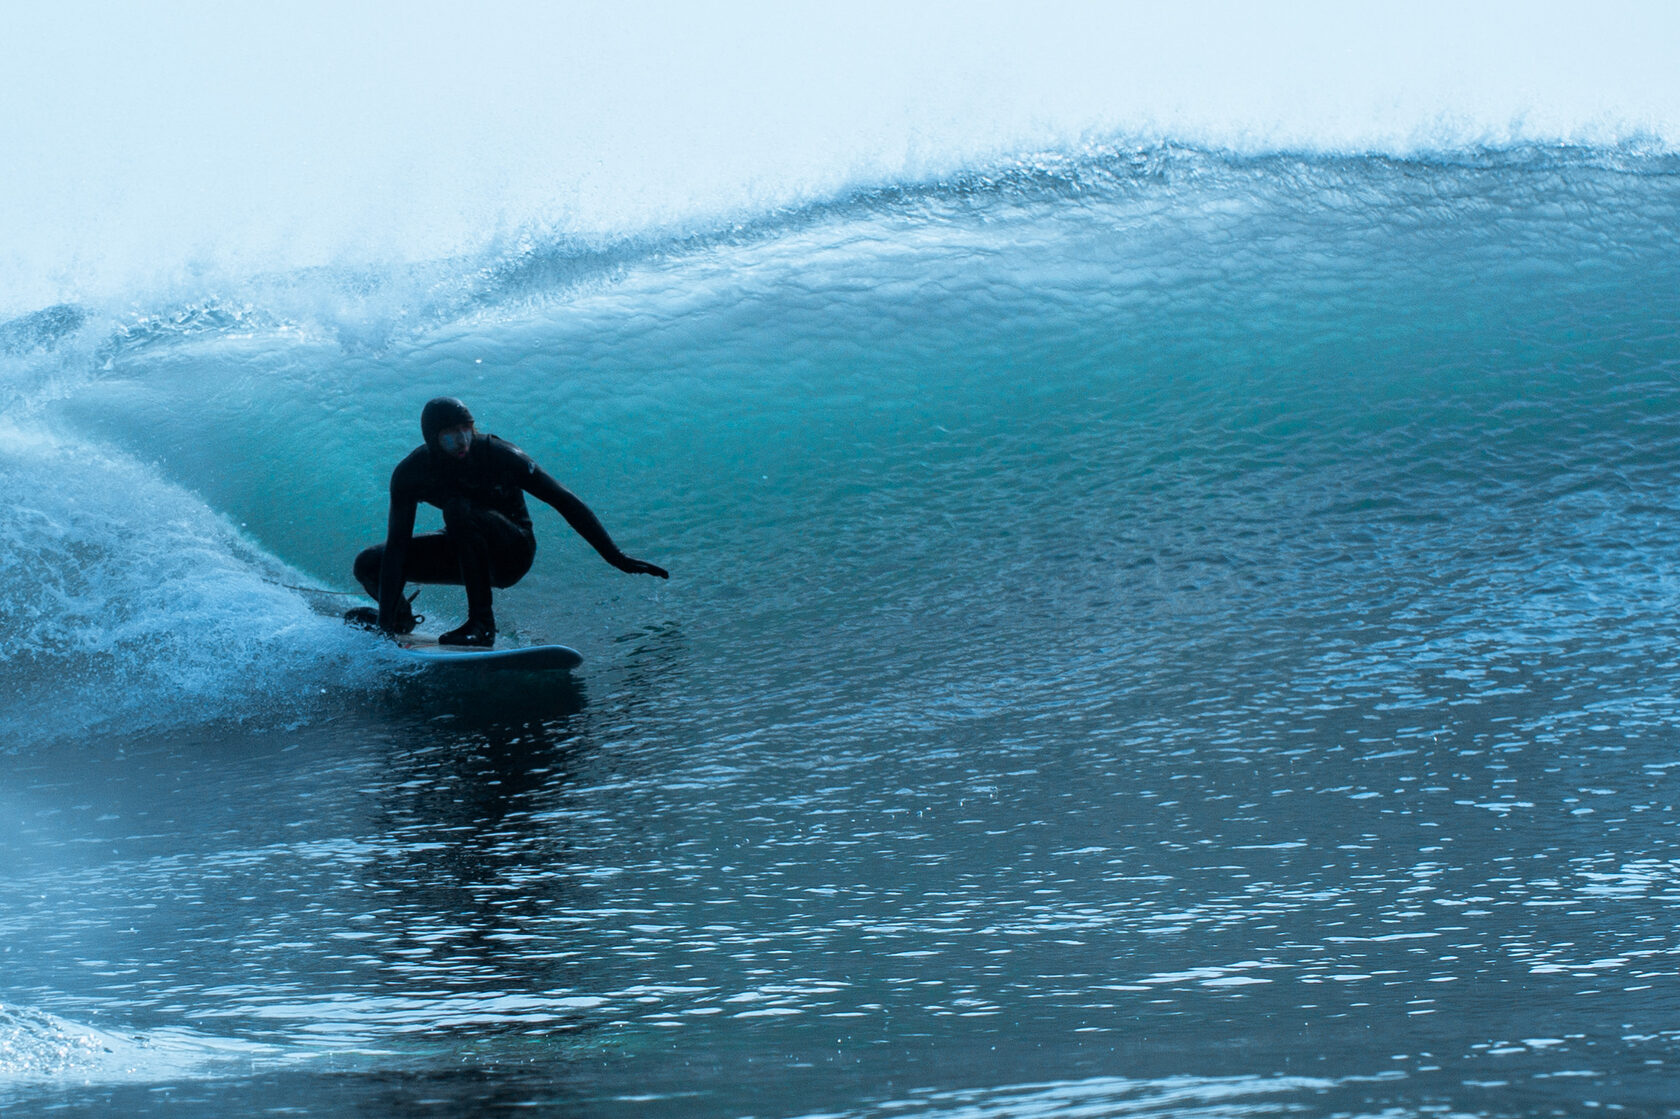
pixel 1150 632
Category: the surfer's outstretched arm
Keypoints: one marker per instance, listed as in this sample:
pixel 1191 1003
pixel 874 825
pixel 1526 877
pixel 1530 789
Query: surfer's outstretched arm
pixel 541 485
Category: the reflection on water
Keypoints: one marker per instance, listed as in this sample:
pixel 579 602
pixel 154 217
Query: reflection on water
pixel 521 875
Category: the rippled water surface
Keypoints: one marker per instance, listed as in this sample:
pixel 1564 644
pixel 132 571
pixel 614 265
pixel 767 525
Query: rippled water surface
pixel 1190 640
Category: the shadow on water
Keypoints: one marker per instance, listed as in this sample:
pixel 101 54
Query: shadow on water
pixel 471 755
pixel 475 698
pixel 479 771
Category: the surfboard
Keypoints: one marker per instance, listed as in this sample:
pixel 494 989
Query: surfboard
pixel 522 658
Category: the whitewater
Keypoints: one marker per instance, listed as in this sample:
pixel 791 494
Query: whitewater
pixel 1165 620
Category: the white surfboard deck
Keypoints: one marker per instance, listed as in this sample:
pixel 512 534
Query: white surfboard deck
pixel 523 658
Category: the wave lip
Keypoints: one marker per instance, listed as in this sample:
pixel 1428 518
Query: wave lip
pixel 41 330
pixel 367 308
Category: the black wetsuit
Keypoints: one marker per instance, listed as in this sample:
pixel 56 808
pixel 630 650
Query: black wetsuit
pixel 486 539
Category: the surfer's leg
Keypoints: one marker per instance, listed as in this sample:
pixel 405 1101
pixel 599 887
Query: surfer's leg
pixel 428 555
pixel 512 548
pixel 431 559
pixel 471 545
pixel 505 548
pixel 367 569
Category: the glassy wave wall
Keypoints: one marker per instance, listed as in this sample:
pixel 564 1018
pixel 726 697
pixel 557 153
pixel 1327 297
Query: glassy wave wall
pixel 1139 617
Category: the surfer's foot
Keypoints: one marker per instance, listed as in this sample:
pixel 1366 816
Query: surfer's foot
pixel 363 617
pixel 404 618
pixel 476 634
pixel 366 617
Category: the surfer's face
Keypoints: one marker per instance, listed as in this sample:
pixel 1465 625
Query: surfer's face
pixel 456 441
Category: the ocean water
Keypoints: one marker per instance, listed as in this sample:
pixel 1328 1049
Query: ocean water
pixel 1153 631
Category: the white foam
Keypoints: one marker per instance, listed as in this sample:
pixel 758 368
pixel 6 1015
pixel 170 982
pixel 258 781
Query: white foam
pixel 37 1047
pixel 126 602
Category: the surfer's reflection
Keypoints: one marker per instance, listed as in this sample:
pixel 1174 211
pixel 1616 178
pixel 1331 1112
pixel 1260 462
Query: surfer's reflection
pixel 478 852
pixel 487 757
pixel 496 801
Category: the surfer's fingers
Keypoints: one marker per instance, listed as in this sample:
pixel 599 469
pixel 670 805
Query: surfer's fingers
pixel 642 567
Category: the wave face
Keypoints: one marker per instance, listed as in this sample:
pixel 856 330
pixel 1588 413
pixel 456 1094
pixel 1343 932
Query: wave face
pixel 1131 590
pixel 1183 369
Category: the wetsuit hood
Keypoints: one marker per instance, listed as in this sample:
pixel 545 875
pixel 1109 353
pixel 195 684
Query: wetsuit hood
pixel 440 413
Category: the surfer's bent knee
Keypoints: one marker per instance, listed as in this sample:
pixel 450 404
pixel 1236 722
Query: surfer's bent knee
pixel 506 570
pixel 366 567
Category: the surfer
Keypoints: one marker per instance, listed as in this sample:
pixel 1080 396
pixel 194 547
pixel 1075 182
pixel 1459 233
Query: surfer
pixel 479 482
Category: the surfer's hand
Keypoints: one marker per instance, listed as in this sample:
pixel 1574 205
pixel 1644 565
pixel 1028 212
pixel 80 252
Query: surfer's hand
pixel 637 567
